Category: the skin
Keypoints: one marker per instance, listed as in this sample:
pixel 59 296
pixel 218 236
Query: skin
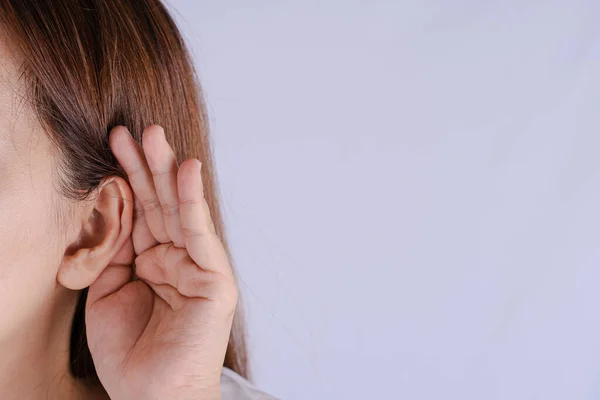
pixel 163 335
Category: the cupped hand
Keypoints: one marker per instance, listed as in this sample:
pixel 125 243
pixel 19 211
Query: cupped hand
pixel 164 334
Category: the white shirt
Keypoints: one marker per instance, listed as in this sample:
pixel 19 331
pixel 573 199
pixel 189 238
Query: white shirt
pixel 234 387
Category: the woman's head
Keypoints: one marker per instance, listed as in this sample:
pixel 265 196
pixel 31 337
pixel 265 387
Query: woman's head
pixel 70 71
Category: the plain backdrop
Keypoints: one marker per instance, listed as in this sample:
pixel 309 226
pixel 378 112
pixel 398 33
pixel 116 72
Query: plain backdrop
pixel 411 189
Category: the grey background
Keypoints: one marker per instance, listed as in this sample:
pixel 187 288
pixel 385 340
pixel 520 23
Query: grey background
pixel 411 190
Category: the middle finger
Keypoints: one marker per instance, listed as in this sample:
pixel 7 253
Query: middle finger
pixel 164 167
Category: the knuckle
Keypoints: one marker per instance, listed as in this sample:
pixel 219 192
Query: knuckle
pixel 228 296
pixel 134 171
pixel 211 226
pixel 170 209
pixel 150 204
pixel 189 231
pixel 158 174
pixel 138 213
pixel 220 290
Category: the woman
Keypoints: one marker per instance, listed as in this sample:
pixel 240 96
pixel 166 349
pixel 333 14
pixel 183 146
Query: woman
pixel 115 279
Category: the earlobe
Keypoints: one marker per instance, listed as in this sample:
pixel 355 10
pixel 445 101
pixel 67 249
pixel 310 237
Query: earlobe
pixel 105 230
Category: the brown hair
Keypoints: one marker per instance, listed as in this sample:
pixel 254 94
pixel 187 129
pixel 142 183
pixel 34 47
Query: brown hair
pixel 89 65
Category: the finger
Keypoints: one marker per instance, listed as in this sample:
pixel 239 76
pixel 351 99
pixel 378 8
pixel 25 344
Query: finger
pixel 141 235
pixel 201 240
pixel 110 281
pixel 130 155
pixel 166 264
pixel 163 165
pixel 168 294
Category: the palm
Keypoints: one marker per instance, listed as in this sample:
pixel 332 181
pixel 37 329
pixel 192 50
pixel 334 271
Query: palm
pixel 170 327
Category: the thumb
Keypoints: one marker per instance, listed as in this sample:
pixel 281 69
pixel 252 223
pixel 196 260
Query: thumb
pixel 116 274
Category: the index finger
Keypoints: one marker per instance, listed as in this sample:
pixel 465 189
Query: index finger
pixel 131 156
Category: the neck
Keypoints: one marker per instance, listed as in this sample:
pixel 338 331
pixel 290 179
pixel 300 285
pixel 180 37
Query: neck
pixel 34 357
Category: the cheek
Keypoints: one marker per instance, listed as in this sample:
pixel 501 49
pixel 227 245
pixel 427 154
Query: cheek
pixel 27 203
pixel 26 219
pixel 29 249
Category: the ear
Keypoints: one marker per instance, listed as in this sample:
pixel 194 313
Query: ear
pixel 106 228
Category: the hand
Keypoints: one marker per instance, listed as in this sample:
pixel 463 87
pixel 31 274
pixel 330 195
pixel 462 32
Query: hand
pixel 163 336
